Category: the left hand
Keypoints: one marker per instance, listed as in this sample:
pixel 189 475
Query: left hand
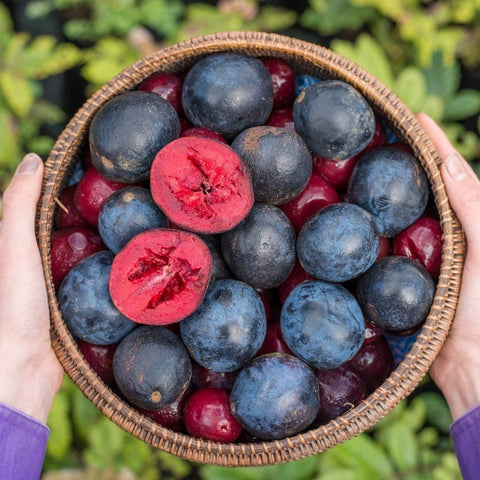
pixel 30 374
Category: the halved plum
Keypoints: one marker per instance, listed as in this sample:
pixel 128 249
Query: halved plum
pixel 160 276
pixel 202 185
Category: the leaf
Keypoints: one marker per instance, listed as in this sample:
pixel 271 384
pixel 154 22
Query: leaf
pixel 415 415
pixel 438 413
pixel 84 415
pixel 428 437
pixel 442 80
pixel 411 88
pixel 342 474
pixel 136 455
pixel 298 470
pixel 9 141
pixel 60 430
pixel 176 466
pixel 162 16
pixel 329 17
pixel 6 24
pixel 434 107
pixel 223 473
pixel 401 445
pixel 13 50
pixel 272 18
pixel 363 454
pixel 105 443
pixel 369 54
pixel 465 104
pixel 17 92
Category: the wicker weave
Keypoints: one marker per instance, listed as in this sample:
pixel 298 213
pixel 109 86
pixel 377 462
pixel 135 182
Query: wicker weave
pixel 305 58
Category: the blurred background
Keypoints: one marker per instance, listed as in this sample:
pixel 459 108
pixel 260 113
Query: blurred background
pixel 55 53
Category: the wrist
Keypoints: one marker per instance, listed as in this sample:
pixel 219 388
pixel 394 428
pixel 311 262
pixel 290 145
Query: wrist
pixel 29 383
pixel 461 386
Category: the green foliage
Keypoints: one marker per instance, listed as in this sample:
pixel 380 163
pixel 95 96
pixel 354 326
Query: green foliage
pixel 105 59
pixel 111 17
pixel 23 63
pixel 201 19
pixel 416 29
pixel 329 17
pixel 81 437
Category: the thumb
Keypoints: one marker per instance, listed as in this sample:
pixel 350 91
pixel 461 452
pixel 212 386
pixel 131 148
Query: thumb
pixel 463 188
pixel 461 182
pixel 20 199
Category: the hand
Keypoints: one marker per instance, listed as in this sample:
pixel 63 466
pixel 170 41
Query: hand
pixel 30 374
pixel 456 368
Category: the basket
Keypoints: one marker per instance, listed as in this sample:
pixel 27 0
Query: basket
pixel 305 58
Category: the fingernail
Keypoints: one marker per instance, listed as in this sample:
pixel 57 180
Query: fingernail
pixel 29 164
pixel 455 166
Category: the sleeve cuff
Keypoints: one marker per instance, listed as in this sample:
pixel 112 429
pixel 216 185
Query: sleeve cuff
pixel 24 442
pixel 465 433
pixel 468 420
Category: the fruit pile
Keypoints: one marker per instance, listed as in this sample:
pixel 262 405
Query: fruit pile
pixel 238 244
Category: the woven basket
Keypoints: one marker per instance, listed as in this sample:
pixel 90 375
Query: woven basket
pixel 308 59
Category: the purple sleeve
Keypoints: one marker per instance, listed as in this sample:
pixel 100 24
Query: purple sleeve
pixel 23 441
pixel 466 438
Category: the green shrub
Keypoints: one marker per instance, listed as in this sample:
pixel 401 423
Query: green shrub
pixel 24 62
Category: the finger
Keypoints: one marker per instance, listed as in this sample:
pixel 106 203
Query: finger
pixel 461 182
pixel 439 139
pixel 21 197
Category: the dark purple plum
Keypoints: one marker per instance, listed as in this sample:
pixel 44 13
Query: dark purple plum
pixel 228 93
pixel 127 213
pixel 100 358
pixel 170 416
pixel 167 86
pixel 275 396
pixel 261 249
pixel 391 185
pixel 280 163
pixel 151 367
pixel 203 377
pixel 228 328
pixel 128 131
pixel 340 390
pixel 396 293
pixel 86 305
pixel 338 243
pixel 207 415
pixel 373 363
pixel 322 324
pixel 334 119
pixel 220 270
pixel 372 333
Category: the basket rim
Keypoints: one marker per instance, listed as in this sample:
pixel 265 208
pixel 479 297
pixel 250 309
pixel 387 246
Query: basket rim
pixel 402 380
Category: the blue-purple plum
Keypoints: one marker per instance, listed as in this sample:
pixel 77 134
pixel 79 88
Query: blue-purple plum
pixel 396 293
pixel 261 249
pixel 275 396
pixel 228 328
pixel 127 213
pixel 228 93
pixel 338 243
pixel 391 185
pixel 151 367
pixel 128 131
pixel 86 305
pixel 322 324
pixel 334 119
pixel 279 161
